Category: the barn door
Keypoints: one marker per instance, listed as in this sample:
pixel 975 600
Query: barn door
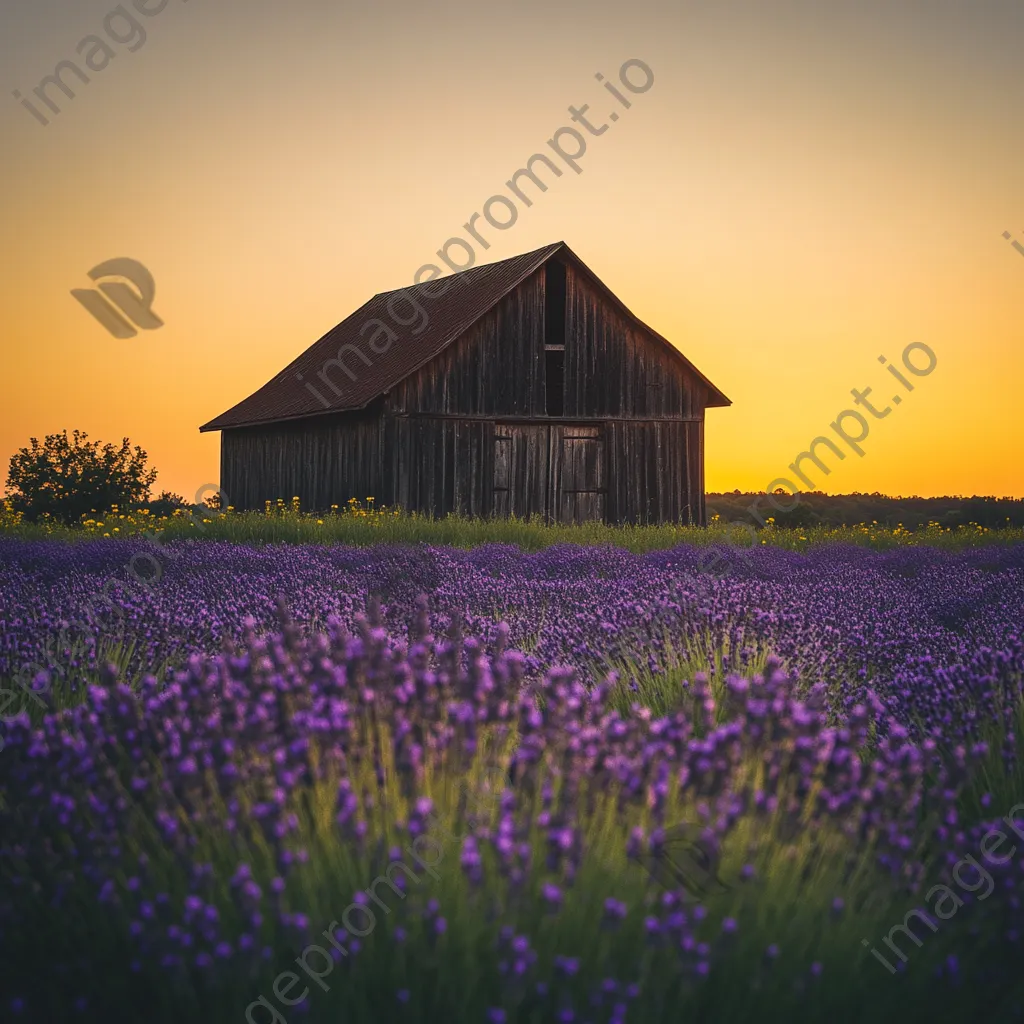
pixel 521 470
pixel 554 471
pixel 502 472
pixel 578 480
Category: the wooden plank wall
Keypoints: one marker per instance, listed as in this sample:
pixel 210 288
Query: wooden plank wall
pixel 495 369
pixel 623 471
pixel 552 470
pixel 578 492
pixel 695 465
pixel 649 477
pixel 522 469
pixel 613 368
pixel 325 461
pixel 439 465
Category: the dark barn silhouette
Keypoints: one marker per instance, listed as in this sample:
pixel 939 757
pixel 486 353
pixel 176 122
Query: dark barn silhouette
pixel 520 387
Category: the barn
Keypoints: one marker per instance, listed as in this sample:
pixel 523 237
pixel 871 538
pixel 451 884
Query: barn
pixel 520 387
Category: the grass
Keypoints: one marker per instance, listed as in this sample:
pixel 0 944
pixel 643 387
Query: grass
pixel 664 690
pixel 788 901
pixel 361 524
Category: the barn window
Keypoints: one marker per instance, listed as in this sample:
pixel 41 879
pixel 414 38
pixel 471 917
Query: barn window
pixel 554 337
pixel 554 290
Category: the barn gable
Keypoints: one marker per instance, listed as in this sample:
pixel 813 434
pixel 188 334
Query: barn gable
pixel 370 352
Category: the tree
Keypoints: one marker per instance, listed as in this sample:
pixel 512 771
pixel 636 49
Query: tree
pixel 67 479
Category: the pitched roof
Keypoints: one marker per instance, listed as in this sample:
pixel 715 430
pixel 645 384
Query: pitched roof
pixel 286 397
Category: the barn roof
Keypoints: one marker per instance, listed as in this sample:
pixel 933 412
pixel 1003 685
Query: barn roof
pixel 285 397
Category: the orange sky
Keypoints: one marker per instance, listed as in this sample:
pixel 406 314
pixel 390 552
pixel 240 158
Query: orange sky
pixel 801 191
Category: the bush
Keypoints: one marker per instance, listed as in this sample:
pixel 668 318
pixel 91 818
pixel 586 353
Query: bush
pixel 65 480
pixel 165 504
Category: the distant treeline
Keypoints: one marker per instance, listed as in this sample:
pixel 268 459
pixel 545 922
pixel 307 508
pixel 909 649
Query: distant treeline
pixel 818 509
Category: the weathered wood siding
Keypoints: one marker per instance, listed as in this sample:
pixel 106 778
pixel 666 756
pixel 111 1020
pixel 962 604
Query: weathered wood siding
pixel 553 470
pixel 495 369
pixel 695 465
pixel 615 369
pixel 522 469
pixel 653 472
pixel 612 368
pixel 438 465
pixel 578 491
pixel 324 460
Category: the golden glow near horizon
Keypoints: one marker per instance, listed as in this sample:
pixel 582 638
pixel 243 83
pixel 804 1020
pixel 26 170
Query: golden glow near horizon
pixel 803 200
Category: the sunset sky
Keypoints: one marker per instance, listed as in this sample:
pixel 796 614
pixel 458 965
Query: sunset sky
pixel 805 187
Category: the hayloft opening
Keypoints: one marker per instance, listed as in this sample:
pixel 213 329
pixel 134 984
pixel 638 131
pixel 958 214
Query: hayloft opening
pixel 554 292
pixel 554 369
pixel 554 337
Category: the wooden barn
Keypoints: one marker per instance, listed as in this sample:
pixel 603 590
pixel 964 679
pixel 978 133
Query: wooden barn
pixel 522 387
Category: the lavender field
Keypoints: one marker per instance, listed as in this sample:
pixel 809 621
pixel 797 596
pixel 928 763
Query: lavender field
pixel 416 783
